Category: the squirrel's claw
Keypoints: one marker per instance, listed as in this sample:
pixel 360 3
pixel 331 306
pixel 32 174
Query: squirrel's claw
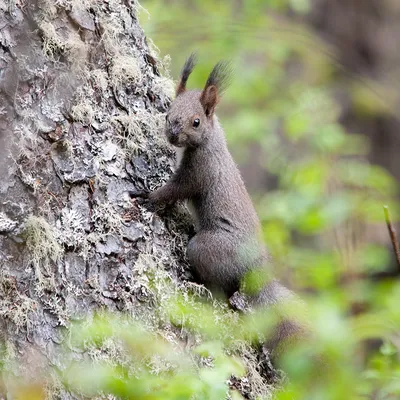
pixel 147 204
pixel 142 199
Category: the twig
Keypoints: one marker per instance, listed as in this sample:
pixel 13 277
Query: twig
pixel 392 233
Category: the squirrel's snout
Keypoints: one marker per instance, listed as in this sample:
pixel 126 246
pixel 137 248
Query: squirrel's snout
pixel 173 131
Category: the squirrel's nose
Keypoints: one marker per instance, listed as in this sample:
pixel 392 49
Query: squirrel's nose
pixel 175 129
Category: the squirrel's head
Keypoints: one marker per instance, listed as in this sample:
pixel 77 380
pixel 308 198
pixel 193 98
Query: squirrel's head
pixel 190 118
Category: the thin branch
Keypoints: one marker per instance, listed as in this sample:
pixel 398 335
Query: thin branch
pixel 392 233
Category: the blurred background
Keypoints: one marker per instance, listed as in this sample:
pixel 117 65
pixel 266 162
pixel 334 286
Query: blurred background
pixel 312 120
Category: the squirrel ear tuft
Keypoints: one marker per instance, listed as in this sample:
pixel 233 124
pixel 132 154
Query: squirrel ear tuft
pixel 216 84
pixel 186 71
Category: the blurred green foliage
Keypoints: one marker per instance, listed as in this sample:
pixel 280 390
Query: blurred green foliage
pixel 152 369
pixel 321 212
pixel 125 360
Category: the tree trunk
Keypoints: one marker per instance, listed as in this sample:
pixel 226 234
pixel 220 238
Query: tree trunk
pixel 82 101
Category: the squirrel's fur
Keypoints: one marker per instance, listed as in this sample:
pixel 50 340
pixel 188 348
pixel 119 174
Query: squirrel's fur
pixel 227 243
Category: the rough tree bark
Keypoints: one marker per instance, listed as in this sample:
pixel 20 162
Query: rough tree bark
pixel 82 103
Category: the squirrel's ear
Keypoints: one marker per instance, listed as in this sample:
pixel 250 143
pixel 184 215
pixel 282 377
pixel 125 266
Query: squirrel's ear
pixel 216 83
pixel 186 71
pixel 209 100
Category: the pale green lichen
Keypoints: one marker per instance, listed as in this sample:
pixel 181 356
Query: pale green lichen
pixel 125 70
pixel 129 134
pixel 68 43
pixel 14 306
pixel 259 387
pixel 83 110
pixel 164 85
pixel 42 245
pixel 106 219
pixel 99 79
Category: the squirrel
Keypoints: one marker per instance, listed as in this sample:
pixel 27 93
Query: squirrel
pixel 227 244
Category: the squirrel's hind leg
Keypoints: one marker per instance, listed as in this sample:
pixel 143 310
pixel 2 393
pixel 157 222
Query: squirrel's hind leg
pixel 213 258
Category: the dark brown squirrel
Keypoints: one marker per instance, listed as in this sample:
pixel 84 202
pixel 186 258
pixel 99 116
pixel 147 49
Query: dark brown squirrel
pixel 227 244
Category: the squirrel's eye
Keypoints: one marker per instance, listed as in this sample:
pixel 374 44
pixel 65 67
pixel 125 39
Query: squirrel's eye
pixel 196 122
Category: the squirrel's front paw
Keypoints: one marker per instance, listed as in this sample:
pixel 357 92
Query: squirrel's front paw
pixel 148 205
pixel 138 194
pixel 141 197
